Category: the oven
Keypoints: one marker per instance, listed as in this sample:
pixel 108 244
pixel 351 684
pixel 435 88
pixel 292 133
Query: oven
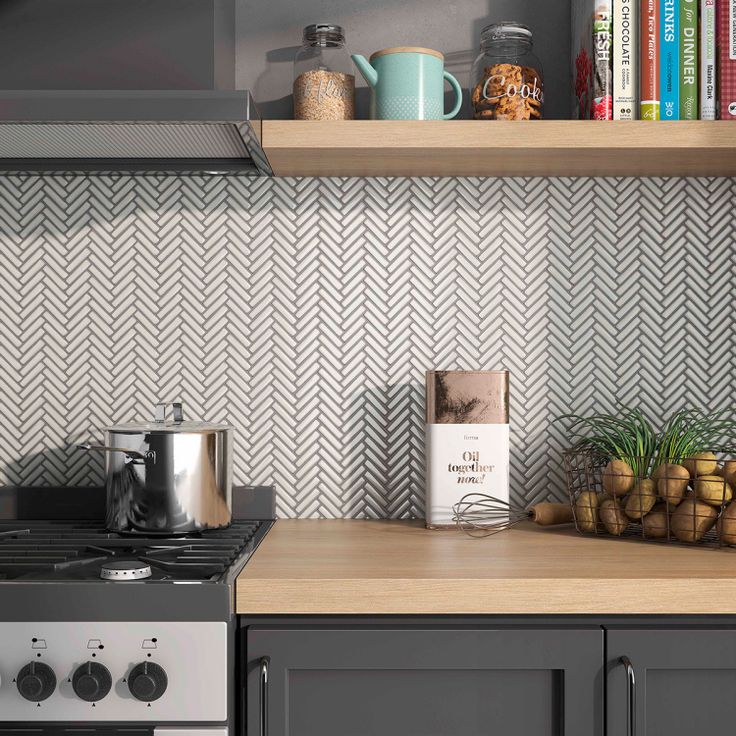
pixel 151 654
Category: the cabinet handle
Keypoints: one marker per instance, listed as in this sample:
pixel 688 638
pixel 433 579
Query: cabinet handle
pixel 630 696
pixel 265 661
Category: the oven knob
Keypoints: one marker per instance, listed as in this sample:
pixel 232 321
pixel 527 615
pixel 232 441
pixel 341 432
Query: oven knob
pixel 91 681
pixel 36 681
pixel 147 681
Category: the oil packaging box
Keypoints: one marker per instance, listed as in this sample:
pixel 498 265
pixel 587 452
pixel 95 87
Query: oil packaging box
pixel 467 439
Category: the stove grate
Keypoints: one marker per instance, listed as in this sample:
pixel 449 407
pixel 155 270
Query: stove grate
pixel 78 549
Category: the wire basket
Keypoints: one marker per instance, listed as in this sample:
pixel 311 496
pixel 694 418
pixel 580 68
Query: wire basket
pixel 682 500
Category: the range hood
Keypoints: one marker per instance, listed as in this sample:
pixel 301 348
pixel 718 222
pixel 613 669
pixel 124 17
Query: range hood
pixel 121 131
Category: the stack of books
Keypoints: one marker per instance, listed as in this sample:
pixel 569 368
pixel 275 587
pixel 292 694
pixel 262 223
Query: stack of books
pixel 654 59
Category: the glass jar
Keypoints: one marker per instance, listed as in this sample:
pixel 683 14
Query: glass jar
pixel 507 76
pixel 324 83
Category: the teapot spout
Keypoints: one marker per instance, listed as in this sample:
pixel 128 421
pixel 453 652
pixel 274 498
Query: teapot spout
pixel 369 73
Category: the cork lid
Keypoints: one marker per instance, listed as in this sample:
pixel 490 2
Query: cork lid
pixel 467 397
pixel 407 50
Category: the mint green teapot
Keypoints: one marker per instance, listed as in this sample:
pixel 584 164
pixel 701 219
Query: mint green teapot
pixel 407 83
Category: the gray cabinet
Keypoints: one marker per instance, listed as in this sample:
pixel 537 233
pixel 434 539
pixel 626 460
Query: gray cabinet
pixel 685 681
pixel 424 681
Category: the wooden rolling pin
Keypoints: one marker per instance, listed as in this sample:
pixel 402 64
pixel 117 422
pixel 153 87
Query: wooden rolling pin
pixel 549 514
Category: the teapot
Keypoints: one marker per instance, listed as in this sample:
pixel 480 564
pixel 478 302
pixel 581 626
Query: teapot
pixel 407 83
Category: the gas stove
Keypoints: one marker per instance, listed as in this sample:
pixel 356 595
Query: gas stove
pixel 83 550
pixel 118 632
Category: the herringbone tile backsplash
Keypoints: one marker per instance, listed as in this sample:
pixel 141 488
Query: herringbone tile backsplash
pixel 305 312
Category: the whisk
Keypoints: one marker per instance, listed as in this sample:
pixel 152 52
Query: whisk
pixel 481 516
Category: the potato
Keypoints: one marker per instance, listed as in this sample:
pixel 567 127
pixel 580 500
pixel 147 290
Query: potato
pixel 729 472
pixel 654 525
pixel 704 463
pixel 692 519
pixel 672 482
pixel 655 473
pixel 641 499
pixel 612 516
pixel 726 526
pixel 586 511
pixel 713 489
pixel 618 478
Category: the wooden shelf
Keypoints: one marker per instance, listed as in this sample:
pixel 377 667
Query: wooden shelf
pixel 479 148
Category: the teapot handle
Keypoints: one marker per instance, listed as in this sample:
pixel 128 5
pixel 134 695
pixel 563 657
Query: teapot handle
pixel 458 95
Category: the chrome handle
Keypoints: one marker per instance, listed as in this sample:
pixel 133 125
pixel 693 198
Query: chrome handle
pixel 630 696
pixel 133 454
pixel 265 661
pixel 177 413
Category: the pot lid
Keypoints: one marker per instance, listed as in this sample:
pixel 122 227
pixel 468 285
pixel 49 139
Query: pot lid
pixel 167 427
pixel 174 425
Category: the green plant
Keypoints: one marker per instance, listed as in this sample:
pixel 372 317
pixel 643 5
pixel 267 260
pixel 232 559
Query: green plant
pixel 690 431
pixel 630 436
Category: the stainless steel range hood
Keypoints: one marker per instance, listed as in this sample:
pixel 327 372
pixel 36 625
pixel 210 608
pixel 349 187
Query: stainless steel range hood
pixel 146 132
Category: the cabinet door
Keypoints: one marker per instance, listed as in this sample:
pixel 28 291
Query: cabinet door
pixel 685 682
pixel 424 682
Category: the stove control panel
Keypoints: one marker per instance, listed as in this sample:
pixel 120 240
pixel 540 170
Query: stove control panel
pixel 73 671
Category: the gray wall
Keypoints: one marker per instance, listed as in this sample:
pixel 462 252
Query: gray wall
pixel 180 44
pixel 305 312
pixel 269 34
pixel 117 44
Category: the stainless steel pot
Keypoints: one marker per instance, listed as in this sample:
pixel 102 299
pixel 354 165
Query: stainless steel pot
pixel 167 476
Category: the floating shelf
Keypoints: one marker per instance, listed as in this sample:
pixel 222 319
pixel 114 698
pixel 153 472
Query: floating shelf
pixel 480 148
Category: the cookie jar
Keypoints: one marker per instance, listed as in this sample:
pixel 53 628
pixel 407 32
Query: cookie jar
pixel 507 82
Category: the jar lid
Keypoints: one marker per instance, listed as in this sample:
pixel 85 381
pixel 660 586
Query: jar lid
pixel 323 33
pixel 506 29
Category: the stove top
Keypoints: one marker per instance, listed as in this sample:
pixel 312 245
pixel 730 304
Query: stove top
pixel 85 551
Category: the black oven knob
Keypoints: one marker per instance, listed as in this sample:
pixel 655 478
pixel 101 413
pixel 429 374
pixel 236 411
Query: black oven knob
pixel 36 681
pixel 91 681
pixel 147 681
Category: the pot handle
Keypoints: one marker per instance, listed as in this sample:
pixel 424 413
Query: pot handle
pixel 177 414
pixel 132 454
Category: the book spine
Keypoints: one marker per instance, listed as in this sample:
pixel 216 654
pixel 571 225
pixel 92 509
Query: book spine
pixel 649 56
pixel 625 67
pixel 582 58
pixel 669 60
pixel 726 43
pixel 707 59
pixel 602 63
pixel 688 59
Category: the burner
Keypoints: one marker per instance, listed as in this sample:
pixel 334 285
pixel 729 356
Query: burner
pixel 125 570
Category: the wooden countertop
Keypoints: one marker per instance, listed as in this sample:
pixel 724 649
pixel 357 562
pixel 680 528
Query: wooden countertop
pixel 346 566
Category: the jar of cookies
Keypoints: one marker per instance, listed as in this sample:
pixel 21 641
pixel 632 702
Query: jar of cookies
pixel 324 83
pixel 507 76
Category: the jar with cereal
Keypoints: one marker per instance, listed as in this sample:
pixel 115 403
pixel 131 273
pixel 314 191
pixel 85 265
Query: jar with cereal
pixel 507 77
pixel 324 83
